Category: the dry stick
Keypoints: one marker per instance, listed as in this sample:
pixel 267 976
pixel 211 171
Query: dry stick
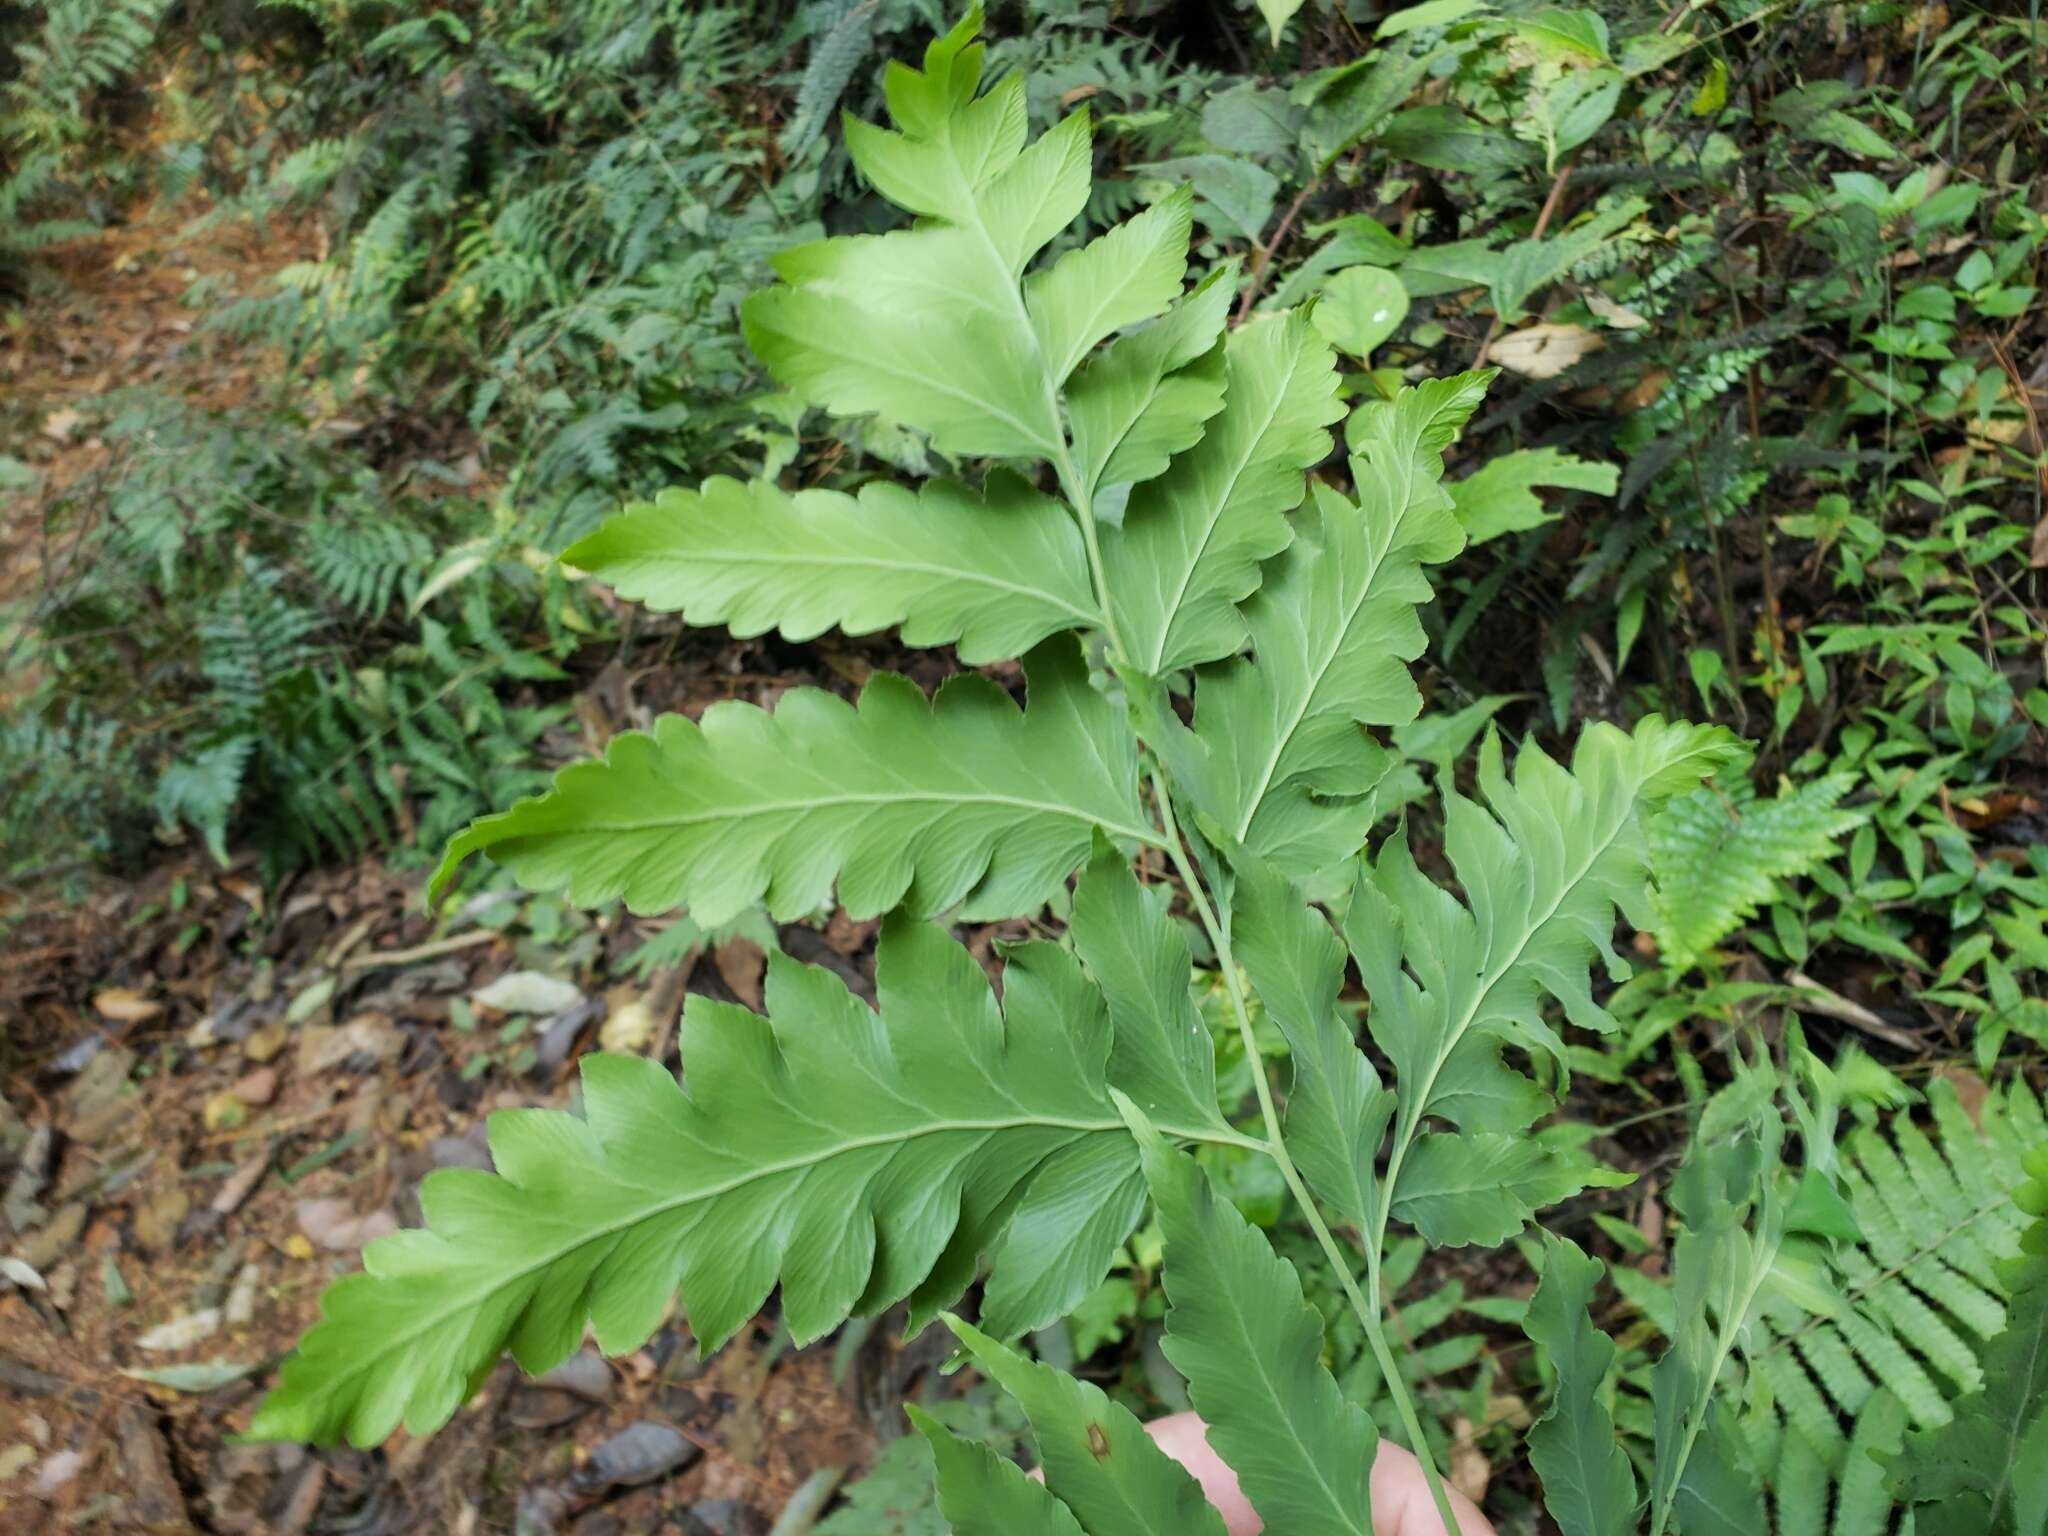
pixel 1263 257
pixel 1542 223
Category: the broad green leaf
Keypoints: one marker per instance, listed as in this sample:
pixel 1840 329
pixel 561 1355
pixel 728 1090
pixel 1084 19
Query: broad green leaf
pixel 1588 1486
pixel 994 573
pixel 1359 308
pixel 1129 274
pixel 1278 13
pixel 1528 265
pixel 1499 497
pixel 1098 1459
pixel 1482 1187
pixel 1147 395
pixel 961 799
pixel 1192 538
pixel 1431 13
pixel 983 1494
pixel 1236 194
pixel 1162 1056
pixel 1337 1112
pixel 1287 768
pixel 1251 1348
pixel 830 1147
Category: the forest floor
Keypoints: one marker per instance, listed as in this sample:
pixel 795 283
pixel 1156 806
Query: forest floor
pixel 215 1095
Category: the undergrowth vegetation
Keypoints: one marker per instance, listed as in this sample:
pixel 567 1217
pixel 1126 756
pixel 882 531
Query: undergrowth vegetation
pixel 1369 427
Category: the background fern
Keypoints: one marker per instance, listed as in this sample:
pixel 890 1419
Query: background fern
pixel 1719 854
pixel 1921 1296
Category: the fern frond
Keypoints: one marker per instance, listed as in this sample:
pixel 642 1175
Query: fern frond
pixel 767 1167
pixel 1718 855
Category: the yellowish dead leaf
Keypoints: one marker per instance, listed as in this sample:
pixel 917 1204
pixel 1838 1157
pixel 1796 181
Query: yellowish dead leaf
pixel 1544 351
pixel 125 1005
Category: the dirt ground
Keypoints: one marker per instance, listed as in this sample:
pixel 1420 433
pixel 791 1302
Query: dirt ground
pixel 212 1095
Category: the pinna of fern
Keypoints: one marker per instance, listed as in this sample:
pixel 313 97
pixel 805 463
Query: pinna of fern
pixel 1149 529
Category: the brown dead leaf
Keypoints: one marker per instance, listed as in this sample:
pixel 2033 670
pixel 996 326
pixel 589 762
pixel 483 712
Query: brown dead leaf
pixel 125 1005
pixel 1970 1090
pixel 333 1224
pixel 59 425
pixel 1545 350
pixel 740 965
pixel 2037 549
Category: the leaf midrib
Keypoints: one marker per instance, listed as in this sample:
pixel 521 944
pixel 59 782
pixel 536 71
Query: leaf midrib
pixel 1220 504
pixel 875 562
pixel 893 797
pixel 1336 647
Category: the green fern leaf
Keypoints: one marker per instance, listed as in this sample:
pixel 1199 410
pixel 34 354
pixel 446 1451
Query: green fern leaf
pixel 995 572
pixel 1337 1112
pixel 1191 541
pixel 826 1146
pixel 983 1494
pixel 961 800
pixel 1148 395
pixel 1250 1347
pixel 1286 769
pixel 1588 1486
pixel 1098 1459
pixel 1543 871
pixel 1718 857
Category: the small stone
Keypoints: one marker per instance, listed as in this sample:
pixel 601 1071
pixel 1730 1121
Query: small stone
pixel 333 1224
pixel 257 1088
pixel 583 1373
pixel 543 1408
pixel 539 1512
pixel 264 1044
pixel 223 1111
pixel 470 1151
pixel 370 1035
pixel 639 1453
pixel 156 1225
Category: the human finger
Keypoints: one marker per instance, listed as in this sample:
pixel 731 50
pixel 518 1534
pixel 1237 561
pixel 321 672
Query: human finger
pixel 1401 1504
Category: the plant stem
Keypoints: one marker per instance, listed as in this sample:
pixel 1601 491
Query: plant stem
pixel 1368 1312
